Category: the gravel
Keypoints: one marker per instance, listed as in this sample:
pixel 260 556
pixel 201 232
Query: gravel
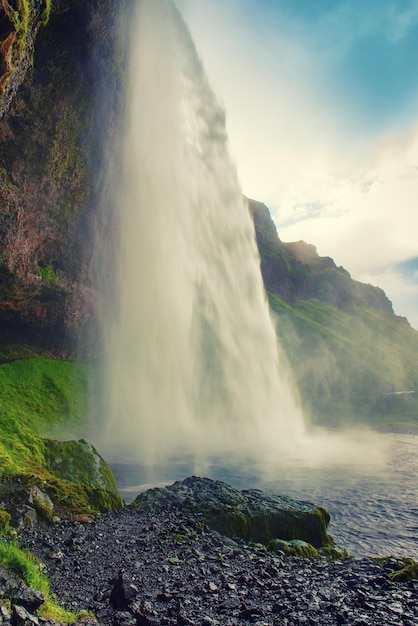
pixel 166 567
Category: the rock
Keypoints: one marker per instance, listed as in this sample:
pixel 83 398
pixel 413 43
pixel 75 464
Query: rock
pixel 41 502
pixel 24 516
pixel 249 514
pixel 294 547
pixel 5 616
pixel 22 617
pixel 26 597
pixel 79 462
pixel 123 593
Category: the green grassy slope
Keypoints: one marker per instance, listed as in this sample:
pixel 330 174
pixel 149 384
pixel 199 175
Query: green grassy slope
pixel 44 398
pixel 39 396
pixel 351 366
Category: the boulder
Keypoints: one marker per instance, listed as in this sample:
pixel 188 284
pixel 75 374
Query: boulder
pixel 250 514
pixel 79 462
pixel 73 482
pixel 294 547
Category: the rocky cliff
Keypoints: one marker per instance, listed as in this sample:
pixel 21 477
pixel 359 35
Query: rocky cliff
pixel 353 359
pixel 60 109
pixel 294 271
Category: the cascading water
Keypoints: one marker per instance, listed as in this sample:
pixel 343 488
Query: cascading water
pixel 192 356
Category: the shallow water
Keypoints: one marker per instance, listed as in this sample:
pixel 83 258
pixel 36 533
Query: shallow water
pixel 374 509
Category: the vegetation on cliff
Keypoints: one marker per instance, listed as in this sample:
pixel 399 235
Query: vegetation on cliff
pixel 44 397
pixel 353 359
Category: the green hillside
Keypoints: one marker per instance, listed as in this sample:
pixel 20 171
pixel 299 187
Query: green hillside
pixel 351 367
pixel 39 396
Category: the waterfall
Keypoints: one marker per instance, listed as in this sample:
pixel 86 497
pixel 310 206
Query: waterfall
pixel 192 358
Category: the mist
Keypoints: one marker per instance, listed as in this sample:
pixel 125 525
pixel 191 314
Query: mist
pixel 193 367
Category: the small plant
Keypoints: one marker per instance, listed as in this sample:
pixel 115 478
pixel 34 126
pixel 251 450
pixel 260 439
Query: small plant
pixel 47 272
pixel 19 18
pixel 46 12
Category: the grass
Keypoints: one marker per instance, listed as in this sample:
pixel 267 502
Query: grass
pixel 348 364
pixel 44 397
pixel 25 566
pixel 47 272
pixel 39 395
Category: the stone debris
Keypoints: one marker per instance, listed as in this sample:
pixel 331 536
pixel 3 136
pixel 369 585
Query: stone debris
pixel 168 568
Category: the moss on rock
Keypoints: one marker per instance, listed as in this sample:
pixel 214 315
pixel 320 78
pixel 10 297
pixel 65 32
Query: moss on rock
pixel 249 514
pixel 4 519
pixel 69 499
pixel 79 462
pixel 294 547
pixel 409 571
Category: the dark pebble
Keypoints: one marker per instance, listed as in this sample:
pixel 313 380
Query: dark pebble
pixel 143 568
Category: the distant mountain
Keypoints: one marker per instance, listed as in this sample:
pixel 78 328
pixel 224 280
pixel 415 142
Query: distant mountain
pixel 354 360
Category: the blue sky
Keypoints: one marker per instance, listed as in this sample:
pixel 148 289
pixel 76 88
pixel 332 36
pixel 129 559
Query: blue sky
pixel 321 99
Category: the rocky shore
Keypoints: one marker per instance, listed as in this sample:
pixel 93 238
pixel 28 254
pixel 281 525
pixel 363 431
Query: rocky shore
pixel 152 566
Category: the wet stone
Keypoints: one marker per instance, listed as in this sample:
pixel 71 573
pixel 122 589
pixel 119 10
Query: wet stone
pixel 119 568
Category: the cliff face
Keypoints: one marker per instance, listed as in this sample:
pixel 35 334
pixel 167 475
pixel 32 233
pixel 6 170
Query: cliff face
pixel 19 24
pixel 61 105
pixel 294 271
pixel 53 138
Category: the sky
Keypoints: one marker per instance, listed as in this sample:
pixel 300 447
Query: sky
pixel 321 98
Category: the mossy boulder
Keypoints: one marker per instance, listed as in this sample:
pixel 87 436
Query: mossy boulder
pixel 41 496
pixel 72 479
pixel 41 502
pixel 333 552
pixel 294 547
pixel 81 476
pixel 249 514
pixel 79 462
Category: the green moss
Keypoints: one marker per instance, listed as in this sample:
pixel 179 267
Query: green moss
pixel 294 547
pixel 43 393
pixel 4 519
pixel 46 12
pixel 47 272
pixel 408 572
pixel 333 552
pixel 232 523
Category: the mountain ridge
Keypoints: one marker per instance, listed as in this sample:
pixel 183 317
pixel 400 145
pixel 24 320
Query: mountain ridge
pixel 294 271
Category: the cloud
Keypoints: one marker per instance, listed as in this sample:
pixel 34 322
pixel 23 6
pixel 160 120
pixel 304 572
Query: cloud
pixel 321 114
pixel 368 222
